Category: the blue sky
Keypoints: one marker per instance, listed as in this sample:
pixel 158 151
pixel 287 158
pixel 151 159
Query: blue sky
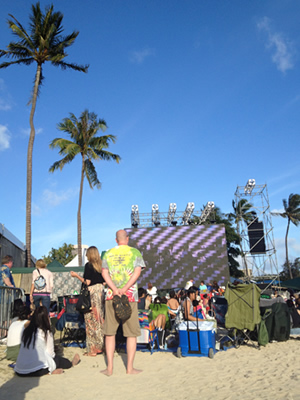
pixel 202 95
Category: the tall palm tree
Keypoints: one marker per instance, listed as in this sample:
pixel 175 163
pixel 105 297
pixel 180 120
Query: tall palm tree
pixel 83 141
pixel 41 43
pixel 292 213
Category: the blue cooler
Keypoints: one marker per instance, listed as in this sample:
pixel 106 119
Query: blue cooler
pixel 197 339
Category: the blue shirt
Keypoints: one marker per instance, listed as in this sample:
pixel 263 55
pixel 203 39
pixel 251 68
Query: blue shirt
pixel 6 273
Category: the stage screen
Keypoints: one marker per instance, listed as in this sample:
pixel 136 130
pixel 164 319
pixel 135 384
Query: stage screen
pixel 174 255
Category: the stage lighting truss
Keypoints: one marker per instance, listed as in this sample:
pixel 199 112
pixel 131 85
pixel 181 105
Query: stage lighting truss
pixel 171 214
pixel 186 217
pixel 172 217
pixel 208 209
pixel 155 215
pixel 257 196
pixel 135 218
pixel 249 186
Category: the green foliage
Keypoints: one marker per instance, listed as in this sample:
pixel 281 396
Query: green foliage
pixel 242 212
pixel 232 241
pixel 292 214
pixel 295 269
pixel 85 142
pixel 63 254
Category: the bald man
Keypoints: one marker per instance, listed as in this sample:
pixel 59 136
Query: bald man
pixel 121 268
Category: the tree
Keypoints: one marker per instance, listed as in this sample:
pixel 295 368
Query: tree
pixel 63 254
pixel 41 43
pixel 242 212
pixel 232 241
pixel 83 141
pixel 292 213
pixel 294 266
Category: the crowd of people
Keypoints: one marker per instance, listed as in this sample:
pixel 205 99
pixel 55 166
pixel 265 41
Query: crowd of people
pixel 30 342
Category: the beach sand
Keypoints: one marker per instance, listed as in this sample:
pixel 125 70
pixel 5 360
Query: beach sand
pixel 245 373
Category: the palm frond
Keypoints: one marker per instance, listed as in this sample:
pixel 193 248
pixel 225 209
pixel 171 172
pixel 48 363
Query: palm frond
pixel 91 174
pixel 76 67
pixel 61 163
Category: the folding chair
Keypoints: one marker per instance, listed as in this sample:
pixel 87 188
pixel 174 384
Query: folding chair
pixel 243 313
pixel 71 324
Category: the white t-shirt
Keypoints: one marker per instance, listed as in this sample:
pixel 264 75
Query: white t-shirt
pixel 38 357
pixel 15 331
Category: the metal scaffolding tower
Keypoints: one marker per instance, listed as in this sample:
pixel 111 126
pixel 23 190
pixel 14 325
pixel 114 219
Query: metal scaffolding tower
pixel 256 232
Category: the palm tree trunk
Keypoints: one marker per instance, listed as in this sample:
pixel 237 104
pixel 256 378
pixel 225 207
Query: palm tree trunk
pixel 79 216
pixel 29 167
pixel 286 249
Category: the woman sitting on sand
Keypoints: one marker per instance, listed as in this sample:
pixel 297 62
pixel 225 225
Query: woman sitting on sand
pixel 36 356
pixel 20 320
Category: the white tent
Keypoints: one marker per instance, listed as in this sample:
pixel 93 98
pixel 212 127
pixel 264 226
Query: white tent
pixel 74 262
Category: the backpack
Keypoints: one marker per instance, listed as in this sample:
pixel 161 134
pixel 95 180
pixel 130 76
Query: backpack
pixel 39 282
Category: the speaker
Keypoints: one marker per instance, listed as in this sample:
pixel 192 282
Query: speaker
pixel 256 238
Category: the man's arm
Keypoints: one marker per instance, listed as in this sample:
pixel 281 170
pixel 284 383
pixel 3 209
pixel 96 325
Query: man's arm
pixel 108 280
pixel 134 277
pixel 7 282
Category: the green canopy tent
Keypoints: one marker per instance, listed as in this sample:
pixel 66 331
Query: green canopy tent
pixel 292 284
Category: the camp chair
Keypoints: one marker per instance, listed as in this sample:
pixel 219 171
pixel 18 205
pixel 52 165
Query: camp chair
pixel 243 313
pixel 71 324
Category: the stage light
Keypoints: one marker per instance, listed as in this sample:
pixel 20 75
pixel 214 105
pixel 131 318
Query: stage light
pixel 155 215
pixel 249 186
pixel 135 218
pixel 207 211
pixel 171 213
pixel 187 213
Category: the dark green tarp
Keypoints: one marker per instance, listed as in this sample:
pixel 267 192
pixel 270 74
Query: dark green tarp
pixel 292 284
pixel 243 306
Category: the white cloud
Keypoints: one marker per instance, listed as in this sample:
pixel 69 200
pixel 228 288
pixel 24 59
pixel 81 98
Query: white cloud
pixel 138 57
pixel 27 131
pixel 5 98
pixel 54 199
pixel 35 210
pixel 281 210
pixel 282 52
pixel 4 138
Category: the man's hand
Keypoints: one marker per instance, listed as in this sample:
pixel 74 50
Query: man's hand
pixel 122 291
pixel 117 292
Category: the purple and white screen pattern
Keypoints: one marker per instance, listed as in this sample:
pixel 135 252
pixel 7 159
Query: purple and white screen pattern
pixel 174 255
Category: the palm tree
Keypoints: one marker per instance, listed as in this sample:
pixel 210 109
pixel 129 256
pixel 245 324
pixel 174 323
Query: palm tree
pixel 43 42
pixel 83 141
pixel 292 213
pixel 242 213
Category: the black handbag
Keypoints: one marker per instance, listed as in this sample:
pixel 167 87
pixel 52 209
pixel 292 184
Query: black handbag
pixel 84 300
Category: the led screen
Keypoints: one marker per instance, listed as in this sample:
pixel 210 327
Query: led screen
pixel 174 255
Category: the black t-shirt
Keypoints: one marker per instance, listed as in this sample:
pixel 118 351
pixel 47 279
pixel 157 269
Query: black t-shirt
pixel 92 275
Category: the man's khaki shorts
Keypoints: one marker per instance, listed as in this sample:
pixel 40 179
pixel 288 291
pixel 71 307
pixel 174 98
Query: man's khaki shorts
pixel 131 327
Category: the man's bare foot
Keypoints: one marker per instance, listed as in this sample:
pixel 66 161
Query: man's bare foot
pixel 134 371
pixel 106 372
pixel 75 360
pixel 58 371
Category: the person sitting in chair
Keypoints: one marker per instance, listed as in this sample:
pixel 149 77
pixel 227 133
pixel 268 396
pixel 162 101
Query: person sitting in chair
pixel 188 306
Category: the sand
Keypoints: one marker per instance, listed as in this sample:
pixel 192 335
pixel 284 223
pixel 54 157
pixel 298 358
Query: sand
pixel 245 373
